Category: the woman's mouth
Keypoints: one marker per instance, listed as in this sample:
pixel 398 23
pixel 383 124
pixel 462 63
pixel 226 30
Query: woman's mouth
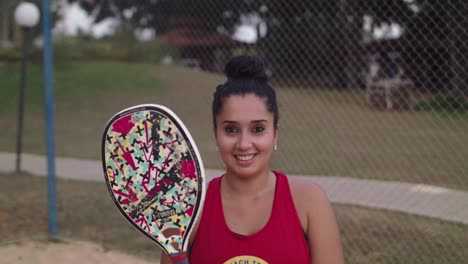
pixel 244 157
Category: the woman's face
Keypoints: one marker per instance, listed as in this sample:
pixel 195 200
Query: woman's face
pixel 245 135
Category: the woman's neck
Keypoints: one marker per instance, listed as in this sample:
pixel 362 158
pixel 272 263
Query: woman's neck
pixel 255 185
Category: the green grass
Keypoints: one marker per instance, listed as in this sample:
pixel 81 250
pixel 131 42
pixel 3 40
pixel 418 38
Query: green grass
pixel 322 132
pixel 81 84
pixel 86 212
pixel 380 236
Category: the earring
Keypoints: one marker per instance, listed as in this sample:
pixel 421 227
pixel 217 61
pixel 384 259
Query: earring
pixel 275 147
pixel 217 149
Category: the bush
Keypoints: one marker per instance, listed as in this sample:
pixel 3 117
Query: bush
pixel 14 54
pixel 10 54
pixel 112 48
pixel 67 48
pixel 441 103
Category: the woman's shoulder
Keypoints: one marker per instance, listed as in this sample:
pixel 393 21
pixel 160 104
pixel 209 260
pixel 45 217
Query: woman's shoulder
pixel 309 197
pixel 318 220
pixel 304 188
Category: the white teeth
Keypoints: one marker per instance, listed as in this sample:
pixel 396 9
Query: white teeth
pixel 249 157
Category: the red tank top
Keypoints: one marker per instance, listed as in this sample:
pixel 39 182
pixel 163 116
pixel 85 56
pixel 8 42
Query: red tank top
pixel 281 240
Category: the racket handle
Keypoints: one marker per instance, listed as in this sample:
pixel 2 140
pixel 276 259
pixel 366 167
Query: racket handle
pixel 179 258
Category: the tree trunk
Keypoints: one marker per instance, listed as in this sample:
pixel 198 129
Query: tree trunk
pixel 353 60
pixel 6 21
pixel 458 46
pixel 3 23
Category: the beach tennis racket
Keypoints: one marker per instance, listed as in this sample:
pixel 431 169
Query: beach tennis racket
pixel 154 174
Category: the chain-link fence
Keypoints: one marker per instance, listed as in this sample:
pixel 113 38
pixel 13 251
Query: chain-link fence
pixel 369 89
pixel 373 103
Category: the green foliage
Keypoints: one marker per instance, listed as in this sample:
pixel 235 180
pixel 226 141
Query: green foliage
pixel 317 53
pixel 14 53
pixel 10 54
pixel 121 47
pixel 440 103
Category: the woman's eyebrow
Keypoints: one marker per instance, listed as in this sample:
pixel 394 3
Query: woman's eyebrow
pixel 253 121
pixel 259 121
pixel 229 122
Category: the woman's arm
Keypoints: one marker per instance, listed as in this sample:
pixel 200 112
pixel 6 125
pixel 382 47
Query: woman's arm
pixel 318 221
pixel 322 229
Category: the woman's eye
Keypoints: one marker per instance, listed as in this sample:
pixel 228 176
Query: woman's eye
pixel 258 129
pixel 230 130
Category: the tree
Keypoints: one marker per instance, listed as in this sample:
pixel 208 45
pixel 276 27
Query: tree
pixel 316 41
pixel 322 40
pixel 162 13
pixel 458 43
pixel 434 45
pixel 6 8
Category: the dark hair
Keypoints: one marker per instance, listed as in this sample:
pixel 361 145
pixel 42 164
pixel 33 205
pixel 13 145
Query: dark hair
pixel 245 75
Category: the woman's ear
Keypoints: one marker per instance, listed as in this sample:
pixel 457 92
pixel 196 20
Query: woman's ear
pixel 276 134
pixel 215 135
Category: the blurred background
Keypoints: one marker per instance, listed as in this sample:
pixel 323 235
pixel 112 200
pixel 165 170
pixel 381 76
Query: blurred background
pixel 371 93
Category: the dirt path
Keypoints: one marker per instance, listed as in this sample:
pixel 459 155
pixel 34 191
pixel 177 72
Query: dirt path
pixel 70 253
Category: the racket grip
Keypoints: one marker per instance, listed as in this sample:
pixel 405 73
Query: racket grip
pixel 179 258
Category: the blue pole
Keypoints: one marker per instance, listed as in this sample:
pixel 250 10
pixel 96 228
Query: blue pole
pixel 49 112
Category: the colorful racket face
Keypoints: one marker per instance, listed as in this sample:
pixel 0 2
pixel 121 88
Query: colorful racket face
pixel 154 174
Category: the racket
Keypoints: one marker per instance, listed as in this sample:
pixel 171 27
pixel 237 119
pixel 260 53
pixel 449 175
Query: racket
pixel 154 174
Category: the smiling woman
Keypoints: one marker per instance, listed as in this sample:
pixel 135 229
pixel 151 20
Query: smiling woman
pixel 252 213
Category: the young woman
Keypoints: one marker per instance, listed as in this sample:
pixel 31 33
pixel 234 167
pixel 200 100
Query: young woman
pixel 251 213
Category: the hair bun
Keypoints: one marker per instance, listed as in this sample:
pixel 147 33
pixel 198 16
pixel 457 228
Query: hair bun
pixel 246 67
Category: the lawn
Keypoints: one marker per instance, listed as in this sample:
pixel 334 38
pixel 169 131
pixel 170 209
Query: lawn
pixel 86 212
pixel 322 132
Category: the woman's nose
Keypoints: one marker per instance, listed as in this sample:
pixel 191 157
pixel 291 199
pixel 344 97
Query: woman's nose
pixel 244 141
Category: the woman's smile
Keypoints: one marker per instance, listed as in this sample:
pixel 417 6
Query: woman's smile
pixel 244 157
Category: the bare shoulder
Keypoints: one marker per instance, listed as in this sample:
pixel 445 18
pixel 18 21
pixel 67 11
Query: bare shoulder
pixel 318 221
pixel 309 199
pixel 305 190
